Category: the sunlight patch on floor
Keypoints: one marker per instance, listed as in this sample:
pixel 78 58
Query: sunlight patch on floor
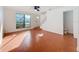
pixel 38 36
pixel 27 38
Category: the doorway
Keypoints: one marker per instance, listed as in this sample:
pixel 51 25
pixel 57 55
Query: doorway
pixel 68 22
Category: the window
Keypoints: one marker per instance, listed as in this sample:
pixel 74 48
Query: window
pixel 22 20
pixel 27 20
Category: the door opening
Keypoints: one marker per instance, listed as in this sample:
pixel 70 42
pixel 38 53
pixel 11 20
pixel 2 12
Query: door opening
pixel 68 23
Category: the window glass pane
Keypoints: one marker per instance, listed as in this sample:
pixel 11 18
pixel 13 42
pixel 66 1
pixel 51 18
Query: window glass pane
pixel 20 20
pixel 27 20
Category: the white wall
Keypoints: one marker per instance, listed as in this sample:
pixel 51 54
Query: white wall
pixel 54 21
pixel 35 22
pixel 10 20
pixel 76 22
pixel 43 18
pixel 1 22
pixel 68 21
pixel 76 26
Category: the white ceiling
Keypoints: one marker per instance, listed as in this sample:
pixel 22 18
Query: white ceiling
pixel 30 9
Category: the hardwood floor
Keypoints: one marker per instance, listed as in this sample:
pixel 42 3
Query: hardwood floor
pixel 37 40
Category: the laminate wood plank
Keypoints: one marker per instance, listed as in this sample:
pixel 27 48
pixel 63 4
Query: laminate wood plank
pixel 37 40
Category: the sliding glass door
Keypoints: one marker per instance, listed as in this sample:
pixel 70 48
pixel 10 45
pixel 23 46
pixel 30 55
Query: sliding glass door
pixel 23 20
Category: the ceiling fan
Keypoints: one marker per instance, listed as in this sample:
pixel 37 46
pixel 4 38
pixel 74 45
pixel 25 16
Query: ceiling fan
pixel 36 8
